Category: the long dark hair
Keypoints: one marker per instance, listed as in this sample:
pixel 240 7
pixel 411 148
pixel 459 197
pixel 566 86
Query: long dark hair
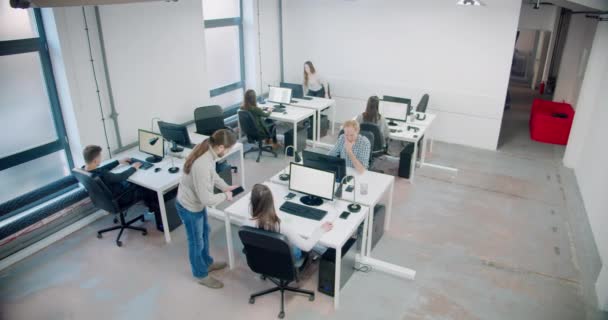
pixel 222 137
pixel 312 71
pixel 262 208
pixel 249 100
pixel 371 113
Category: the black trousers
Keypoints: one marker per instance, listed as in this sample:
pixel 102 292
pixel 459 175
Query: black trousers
pixel 319 93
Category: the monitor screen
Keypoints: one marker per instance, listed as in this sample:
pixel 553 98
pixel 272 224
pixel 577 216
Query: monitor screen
pixel 296 89
pixel 311 181
pixel 324 162
pixel 393 110
pixel 151 143
pixel 279 95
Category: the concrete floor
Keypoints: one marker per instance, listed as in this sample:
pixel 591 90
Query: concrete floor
pixel 506 238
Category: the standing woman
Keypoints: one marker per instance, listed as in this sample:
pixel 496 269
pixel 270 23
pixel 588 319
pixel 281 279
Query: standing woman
pixel 195 194
pixel 372 115
pixel 313 84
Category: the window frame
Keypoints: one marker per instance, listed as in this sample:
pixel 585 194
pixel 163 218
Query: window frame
pixel 230 22
pixel 39 45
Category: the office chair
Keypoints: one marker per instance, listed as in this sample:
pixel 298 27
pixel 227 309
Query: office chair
pixel 250 129
pixel 379 143
pixel 271 255
pixel 102 199
pixel 209 119
pixel 424 101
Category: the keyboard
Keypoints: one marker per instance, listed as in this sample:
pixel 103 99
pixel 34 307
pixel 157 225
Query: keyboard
pixel 305 98
pixel 144 164
pixel 303 211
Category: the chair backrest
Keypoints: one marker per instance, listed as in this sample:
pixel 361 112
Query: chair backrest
pixel 370 136
pixel 248 126
pixel 268 253
pixel 97 190
pixel 209 119
pixel 424 101
pixel 379 141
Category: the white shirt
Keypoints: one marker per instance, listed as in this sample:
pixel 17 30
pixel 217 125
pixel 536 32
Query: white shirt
pixel 315 83
pixel 294 237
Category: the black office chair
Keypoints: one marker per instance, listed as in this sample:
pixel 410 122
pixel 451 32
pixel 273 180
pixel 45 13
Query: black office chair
pixel 250 129
pixel 379 143
pixel 209 119
pixel 271 255
pixel 424 101
pixel 102 199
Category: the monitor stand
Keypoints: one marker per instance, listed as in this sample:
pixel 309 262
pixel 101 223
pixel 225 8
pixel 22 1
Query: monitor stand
pixel 154 159
pixel 392 123
pixel 176 148
pixel 284 177
pixel 312 201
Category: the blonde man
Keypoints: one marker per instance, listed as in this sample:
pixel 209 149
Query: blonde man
pixel 353 147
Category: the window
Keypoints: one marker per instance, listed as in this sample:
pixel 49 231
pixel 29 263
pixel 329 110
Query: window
pixel 224 50
pixel 34 150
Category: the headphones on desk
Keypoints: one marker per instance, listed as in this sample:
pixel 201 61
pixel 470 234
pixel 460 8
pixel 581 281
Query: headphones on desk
pixel 410 128
pixel 420 116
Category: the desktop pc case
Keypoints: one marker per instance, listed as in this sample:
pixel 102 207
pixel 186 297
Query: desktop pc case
pixel 327 266
pixel 378 227
pixel 173 218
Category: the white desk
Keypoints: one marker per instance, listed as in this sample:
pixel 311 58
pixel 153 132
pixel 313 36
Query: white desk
pixel 318 105
pixel 292 115
pixel 162 182
pixel 343 229
pixel 403 134
pixel 379 187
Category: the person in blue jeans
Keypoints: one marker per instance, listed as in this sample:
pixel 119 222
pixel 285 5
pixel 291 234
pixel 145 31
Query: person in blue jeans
pixel 195 193
pixel 264 216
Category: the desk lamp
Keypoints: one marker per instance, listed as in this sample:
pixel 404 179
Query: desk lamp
pixel 353 207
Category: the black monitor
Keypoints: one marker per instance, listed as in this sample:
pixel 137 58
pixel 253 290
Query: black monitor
pixel 316 184
pixel 297 91
pixel 324 162
pixel 177 134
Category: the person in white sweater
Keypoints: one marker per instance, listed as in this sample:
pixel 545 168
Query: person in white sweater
pixel 313 84
pixel 195 193
pixel 264 216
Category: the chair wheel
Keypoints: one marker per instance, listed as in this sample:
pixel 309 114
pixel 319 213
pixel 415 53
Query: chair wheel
pixel 281 315
pixel 144 233
pixel 311 298
pixel 251 300
pixel 115 220
pixel 143 219
pixel 99 236
pixel 119 243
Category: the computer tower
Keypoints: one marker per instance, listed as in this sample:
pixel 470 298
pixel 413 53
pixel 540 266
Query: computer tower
pixel 301 139
pixel 378 227
pixel 327 267
pixel 405 160
pixel 173 218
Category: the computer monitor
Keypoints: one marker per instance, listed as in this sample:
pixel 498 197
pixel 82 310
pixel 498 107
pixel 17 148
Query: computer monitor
pixel 177 134
pixel 152 144
pixel 393 111
pixel 296 89
pixel 325 162
pixel 316 184
pixel 279 95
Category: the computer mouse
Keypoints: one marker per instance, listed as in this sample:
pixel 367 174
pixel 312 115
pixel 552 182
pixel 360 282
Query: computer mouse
pixel 157 169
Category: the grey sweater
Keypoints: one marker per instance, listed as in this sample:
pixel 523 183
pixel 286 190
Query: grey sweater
pixel 196 188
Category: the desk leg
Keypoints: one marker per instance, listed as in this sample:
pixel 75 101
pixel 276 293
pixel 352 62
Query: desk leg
pixel 423 151
pixel 370 228
pixel 337 279
pixel 364 238
pixel 413 163
pixel 318 126
pixel 295 136
pixel 389 207
pixel 242 168
pixel 163 215
pixel 238 124
pixel 229 242
pixel 333 120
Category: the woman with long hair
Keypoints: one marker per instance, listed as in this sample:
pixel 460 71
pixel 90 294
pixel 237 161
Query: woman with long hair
pixel 264 216
pixel 195 193
pixel 266 127
pixel 372 115
pixel 313 84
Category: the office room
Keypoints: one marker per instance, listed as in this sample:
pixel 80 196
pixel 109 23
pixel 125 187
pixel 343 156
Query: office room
pixel 303 159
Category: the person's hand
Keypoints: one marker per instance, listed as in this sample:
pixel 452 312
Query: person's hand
pixel 348 146
pixel 136 165
pixel 124 161
pixel 327 226
pixel 228 195
pixel 230 188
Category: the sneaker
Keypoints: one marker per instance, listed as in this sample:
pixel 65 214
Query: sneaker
pixel 216 266
pixel 211 282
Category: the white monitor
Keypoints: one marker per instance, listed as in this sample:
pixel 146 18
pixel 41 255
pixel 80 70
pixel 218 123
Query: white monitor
pixel 393 110
pixel 279 95
pixel 313 182
pixel 151 143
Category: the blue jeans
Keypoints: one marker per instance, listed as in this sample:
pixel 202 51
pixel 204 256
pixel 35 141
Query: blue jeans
pixel 197 230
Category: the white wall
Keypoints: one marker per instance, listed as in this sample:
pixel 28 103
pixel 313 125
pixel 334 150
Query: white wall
pixel 537 19
pixel 460 55
pixel 587 152
pixel 573 64
pixel 156 61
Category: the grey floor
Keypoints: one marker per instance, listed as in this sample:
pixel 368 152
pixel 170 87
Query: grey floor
pixel 505 238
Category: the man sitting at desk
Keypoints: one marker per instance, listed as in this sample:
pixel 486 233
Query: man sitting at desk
pixel 352 147
pixel 116 182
